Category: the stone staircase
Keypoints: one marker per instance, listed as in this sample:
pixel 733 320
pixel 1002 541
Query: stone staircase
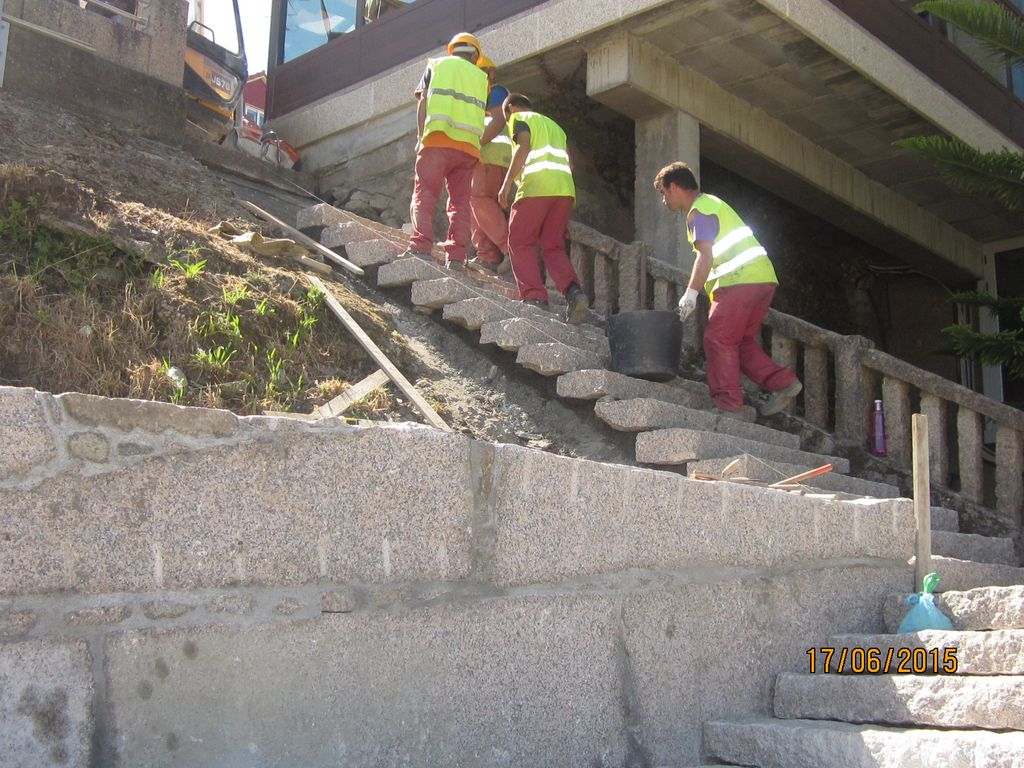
pixel 673 428
pixel 971 720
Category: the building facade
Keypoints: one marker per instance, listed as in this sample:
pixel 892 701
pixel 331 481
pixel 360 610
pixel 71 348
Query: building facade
pixel 790 105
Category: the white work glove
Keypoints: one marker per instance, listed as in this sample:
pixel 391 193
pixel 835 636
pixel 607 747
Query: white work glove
pixel 687 303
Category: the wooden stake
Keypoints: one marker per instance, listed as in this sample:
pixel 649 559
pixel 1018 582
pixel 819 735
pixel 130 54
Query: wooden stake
pixel 380 358
pixel 307 241
pixel 353 394
pixel 825 468
pixel 922 502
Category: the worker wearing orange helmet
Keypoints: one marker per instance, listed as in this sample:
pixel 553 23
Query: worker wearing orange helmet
pixel 489 231
pixel 449 126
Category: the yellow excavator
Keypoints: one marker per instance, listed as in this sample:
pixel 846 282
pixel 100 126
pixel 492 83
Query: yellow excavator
pixel 215 66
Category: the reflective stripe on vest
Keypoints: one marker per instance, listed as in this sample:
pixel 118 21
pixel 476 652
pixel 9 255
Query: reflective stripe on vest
pixel 737 257
pixel 456 98
pixel 498 151
pixel 546 172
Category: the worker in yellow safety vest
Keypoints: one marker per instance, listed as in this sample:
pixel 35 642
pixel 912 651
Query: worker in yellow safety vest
pixel 489 231
pixel 449 125
pixel 545 196
pixel 735 271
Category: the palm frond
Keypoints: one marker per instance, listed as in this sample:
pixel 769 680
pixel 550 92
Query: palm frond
pixel 999 175
pixel 1003 348
pixel 998 29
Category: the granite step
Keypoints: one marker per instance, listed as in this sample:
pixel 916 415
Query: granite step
pixel 945 519
pixel 971 546
pixel 678 446
pixel 516 332
pixel 407 271
pixel 959 575
pixel 474 313
pixel 938 701
pixel 999 652
pixel 434 294
pixel 984 608
pixel 371 253
pixel 773 471
pixel 640 414
pixel 555 358
pixel 342 233
pixel 767 743
pixel 598 383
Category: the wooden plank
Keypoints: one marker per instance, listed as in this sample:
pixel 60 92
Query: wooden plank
pixel 922 501
pixel 307 241
pixel 380 358
pixel 353 394
pixel 803 476
pixel 316 266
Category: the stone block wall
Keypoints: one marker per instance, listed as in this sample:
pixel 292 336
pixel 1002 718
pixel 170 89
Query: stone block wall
pixel 181 586
pixel 133 77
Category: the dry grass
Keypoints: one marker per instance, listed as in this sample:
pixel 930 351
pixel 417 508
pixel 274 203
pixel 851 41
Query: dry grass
pixel 80 314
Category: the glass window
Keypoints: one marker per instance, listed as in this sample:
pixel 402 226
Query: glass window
pixel 254 114
pixel 376 9
pixel 215 20
pixel 312 23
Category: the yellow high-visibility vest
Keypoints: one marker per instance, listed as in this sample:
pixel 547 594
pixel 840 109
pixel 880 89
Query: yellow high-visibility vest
pixel 737 256
pixel 546 172
pixel 498 151
pixel 456 97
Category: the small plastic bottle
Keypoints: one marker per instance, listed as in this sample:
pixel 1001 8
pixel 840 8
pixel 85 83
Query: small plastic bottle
pixel 878 444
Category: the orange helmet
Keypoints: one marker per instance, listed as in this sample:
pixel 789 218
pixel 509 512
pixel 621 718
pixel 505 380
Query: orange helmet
pixel 463 43
pixel 484 62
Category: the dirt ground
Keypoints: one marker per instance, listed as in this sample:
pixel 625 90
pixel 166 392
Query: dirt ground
pixel 149 202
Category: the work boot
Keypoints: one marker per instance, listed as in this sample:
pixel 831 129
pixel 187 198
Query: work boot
pixel 410 253
pixel 454 266
pixel 577 305
pixel 505 265
pixel 781 399
pixel 539 303
pixel 486 267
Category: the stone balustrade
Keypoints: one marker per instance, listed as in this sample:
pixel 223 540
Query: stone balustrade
pixel 842 377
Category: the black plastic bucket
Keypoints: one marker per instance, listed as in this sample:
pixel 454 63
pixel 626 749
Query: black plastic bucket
pixel 645 343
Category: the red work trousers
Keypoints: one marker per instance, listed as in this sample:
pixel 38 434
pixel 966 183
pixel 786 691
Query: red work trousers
pixel 436 166
pixel 542 221
pixel 731 344
pixel 490 228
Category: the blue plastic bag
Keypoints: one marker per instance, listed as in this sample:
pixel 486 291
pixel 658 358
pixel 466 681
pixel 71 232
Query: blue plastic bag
pixel 925 614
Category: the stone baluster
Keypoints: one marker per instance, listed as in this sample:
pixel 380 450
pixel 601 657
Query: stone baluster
pixel 815 379
pixel 935 408
pixel 1009 473
pixel 896 405
pixel 629 262
pixel 784 353
pixel 852 391
pixel 582 259
pixel 664 295
pixel 604 280
pixel 969 442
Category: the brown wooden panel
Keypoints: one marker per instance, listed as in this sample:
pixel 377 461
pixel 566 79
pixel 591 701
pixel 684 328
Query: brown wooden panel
pixel 318 73
pixel 371 49
pixel 420 28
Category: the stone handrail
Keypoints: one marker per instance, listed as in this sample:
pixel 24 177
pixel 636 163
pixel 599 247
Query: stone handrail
pixel 842 376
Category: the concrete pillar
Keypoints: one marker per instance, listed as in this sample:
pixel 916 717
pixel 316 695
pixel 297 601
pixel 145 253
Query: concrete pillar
pixel 662 139
pixel 1009 470
pixel 852 391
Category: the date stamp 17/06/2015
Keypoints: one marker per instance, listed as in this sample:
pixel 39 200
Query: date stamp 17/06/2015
pixel 885 661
